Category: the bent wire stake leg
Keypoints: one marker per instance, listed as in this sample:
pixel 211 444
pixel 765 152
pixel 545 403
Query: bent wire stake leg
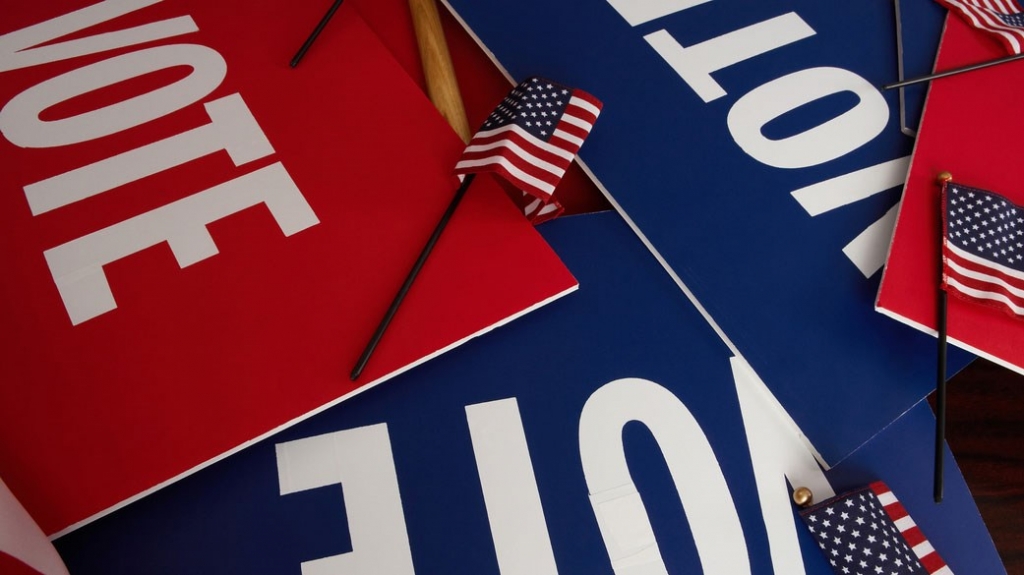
pixel 899 70
pixel 901 83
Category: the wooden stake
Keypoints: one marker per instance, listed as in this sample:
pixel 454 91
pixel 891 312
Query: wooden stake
pixel 442 86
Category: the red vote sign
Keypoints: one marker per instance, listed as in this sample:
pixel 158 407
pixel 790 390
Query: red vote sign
pixel 199 240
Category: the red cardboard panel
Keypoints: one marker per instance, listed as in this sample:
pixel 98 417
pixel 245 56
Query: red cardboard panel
pixel 165 302
pixel 968 130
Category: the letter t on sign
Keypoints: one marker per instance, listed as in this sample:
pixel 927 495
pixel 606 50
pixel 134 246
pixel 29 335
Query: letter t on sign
pixel 637 12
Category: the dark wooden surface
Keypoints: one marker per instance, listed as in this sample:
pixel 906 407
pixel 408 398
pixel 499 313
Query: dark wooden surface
pixel 985 430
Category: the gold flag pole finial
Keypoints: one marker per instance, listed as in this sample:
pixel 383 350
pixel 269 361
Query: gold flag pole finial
pixel 803 497
pixel 944 178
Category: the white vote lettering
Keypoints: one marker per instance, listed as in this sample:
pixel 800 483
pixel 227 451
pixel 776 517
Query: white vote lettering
pixel 77 266
pixel 514 510
pixel 20 122
pixel 360 461
pixel 777 448
pixel 825 142
pixel 702 488
pixel 837 192
pixel 16 48
pixel 637 12
pixel 232 128
pixel 868 250
pixel 777 452
pixel 696 63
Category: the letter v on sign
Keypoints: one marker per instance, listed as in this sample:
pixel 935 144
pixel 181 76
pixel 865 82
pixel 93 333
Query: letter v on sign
pixel 16 48
pixel 867 251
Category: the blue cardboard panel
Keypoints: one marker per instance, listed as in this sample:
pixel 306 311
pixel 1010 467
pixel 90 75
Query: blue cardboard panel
pixel 748 142
pixel 627 321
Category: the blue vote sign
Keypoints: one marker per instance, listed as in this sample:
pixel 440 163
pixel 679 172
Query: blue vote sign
pixel 612 433
pixel 749 144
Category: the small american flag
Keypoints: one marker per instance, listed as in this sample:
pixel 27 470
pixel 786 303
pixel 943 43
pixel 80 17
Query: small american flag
pixel 868 532
pixel 1003 18
pixel 983 248
pixel 531 138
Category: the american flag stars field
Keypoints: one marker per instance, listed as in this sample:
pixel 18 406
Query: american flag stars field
pixel 868 532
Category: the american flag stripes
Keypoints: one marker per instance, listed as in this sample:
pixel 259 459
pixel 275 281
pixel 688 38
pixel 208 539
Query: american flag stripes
pixel 983 248
pixel 868 532
pixel 912 535
pixel 531 138
pixel 1003 18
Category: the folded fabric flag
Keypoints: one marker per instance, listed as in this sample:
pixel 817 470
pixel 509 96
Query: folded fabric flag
pixel 868 532
pixel 23 540
pixel 530 139
pixel 1002 18
pixel 983 248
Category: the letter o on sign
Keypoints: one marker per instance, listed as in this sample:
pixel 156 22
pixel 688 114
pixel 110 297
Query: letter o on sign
pixel 835 138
